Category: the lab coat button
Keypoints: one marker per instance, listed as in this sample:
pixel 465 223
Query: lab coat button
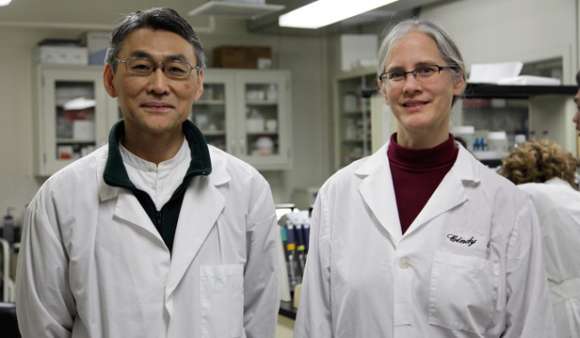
pixel 404 263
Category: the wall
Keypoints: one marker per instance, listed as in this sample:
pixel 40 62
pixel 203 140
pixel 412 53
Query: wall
pixel 511 30
pixel 302 56
pixel 17 182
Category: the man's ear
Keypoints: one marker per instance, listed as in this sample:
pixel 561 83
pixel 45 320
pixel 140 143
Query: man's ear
pixel 108 76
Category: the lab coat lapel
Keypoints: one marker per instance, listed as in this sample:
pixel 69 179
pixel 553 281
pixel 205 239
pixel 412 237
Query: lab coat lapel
pixel 449 194
pixel 202 205
pixel 130 210
pixel 377 191
pixel 127 207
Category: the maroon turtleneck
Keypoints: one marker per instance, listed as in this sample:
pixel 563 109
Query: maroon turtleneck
pixel 416 174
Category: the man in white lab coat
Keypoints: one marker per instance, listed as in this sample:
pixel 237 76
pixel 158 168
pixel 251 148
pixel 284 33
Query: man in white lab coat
pixel 546 172
pixel 156 234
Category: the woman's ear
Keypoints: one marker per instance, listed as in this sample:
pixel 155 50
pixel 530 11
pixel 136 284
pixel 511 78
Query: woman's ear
pixel 382 90
pixel 458 85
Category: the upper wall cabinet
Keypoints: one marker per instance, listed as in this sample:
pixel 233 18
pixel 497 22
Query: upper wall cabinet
pixel 73 115
pixel 247 113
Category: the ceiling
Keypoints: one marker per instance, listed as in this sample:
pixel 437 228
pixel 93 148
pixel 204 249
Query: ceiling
pixel 102 14
pixel 81 13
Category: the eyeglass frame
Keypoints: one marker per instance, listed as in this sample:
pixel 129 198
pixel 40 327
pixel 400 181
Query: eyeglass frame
pixel 382 77
pixel 157 65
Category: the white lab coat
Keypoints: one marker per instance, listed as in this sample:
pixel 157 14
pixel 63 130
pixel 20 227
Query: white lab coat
pixel 558 207
pixel 470 265
pixel 93 265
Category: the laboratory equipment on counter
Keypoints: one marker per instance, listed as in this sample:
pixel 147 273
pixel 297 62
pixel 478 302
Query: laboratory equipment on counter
pixel 9 227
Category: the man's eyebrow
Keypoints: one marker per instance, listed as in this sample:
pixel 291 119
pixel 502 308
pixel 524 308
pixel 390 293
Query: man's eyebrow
pixel 141 54
pixel 171 57
pixel 176 57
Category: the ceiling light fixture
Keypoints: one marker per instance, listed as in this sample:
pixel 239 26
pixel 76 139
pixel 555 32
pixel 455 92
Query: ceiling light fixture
pixel 325 12
pixel 5 2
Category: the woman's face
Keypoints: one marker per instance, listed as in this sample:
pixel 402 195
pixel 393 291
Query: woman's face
pixel 421 104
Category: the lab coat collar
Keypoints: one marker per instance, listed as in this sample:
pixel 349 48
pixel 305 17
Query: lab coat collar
pixel 558 181
pixel 377 190
pixel 378 193
pixel 115 177
pixel 115 173
pixel 451 191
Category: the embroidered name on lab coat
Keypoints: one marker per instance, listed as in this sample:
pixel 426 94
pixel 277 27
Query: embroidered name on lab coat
pixel 460 240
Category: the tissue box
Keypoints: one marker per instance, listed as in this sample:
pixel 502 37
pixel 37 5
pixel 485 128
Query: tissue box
pixel 61 55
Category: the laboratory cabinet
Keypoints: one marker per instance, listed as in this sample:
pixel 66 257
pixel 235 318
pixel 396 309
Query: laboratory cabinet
pixel 73 114
pixel 529 110
pixel 352 132
pixel 247 114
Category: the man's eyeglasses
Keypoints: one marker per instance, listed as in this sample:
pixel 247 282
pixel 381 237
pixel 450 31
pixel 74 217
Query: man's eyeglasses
pixel 173 68
pixel 420 73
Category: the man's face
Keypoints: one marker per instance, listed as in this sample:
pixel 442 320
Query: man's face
pixel 577 115
pixel 155 103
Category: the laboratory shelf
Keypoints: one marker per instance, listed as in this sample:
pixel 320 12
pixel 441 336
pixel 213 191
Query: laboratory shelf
pixel 486 90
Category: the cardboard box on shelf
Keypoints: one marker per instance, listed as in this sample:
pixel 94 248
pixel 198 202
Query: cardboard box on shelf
pixel 247 57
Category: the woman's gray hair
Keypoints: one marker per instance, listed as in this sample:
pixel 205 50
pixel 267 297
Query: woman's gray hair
pixel 447 48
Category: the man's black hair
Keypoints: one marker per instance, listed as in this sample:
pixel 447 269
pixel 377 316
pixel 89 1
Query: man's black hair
pixel 165 19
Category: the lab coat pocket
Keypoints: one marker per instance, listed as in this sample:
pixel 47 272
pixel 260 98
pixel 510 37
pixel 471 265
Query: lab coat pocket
pixel 222 300
pixel 462 293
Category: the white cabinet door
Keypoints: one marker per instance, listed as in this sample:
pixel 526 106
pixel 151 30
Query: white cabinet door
pixel 213 112
pixel 247 113
pixel 263 112
pixel 72 115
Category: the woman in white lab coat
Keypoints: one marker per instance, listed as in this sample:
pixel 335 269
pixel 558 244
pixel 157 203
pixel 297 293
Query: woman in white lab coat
pixel 546 172
pixel 420 239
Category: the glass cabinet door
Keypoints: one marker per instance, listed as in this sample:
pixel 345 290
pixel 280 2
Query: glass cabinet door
pixel 74 104
pixel 72 117
pixel 264 128
pixel 245 112
pixel 209 114
pixel 262 119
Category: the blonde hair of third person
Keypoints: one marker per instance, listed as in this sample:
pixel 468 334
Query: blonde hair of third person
pixel 546 172
pixel 538 161
pixel 470 262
